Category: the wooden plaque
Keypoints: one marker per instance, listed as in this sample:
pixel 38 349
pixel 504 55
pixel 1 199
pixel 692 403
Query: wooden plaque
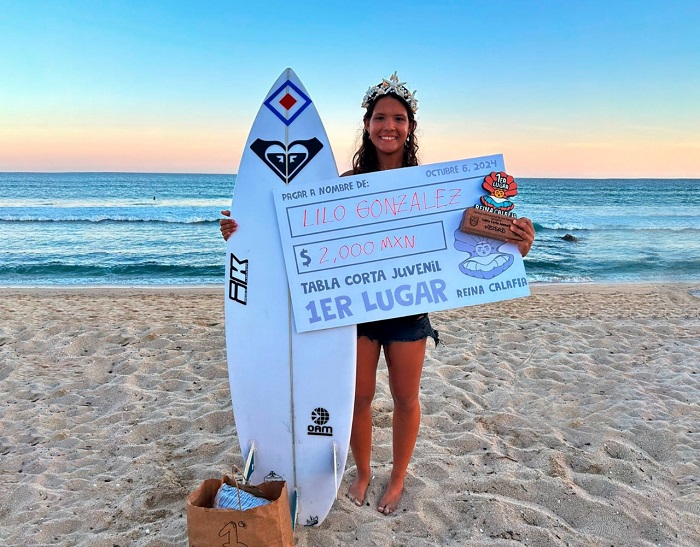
pixel 491 225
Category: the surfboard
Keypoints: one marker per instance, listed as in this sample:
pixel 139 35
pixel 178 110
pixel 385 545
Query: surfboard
pixel 292 393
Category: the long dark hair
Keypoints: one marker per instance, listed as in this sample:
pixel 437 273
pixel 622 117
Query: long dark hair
pixel 365 159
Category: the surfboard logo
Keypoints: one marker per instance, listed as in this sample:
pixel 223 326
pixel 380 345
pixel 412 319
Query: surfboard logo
pixel 238 280
pixel 287 102
pixel 272 476
pixel 287 161
pixel 320 418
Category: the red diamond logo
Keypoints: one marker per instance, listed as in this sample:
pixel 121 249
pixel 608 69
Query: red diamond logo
pixel 288 101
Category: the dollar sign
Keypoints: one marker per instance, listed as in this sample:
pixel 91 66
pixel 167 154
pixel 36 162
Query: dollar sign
pixel 305 255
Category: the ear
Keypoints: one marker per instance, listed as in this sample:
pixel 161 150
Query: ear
pixel 366 122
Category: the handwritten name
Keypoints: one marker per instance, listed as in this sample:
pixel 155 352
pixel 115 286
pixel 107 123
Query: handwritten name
pixel 387 207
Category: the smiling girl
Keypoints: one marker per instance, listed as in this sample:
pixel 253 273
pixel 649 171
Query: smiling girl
pixel 389 142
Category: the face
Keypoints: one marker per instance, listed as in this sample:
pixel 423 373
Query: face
pixel 482 248
pixel 388 129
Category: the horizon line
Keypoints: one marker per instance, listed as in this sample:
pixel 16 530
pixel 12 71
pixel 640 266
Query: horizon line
pixel 236 174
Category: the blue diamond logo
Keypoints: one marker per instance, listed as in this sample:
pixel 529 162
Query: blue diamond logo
pixel 287 102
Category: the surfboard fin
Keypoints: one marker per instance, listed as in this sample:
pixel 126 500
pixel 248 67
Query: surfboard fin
pixel 250 462
pixel 335 467
pixel 295 508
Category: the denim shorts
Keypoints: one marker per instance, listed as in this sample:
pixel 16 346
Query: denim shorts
pixel 399 329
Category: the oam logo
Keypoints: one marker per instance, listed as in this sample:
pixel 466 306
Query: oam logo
pixel 320 417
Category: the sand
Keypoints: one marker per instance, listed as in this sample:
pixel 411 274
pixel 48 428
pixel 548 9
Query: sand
pixel 571 417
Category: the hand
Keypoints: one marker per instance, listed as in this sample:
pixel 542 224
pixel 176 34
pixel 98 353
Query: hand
pixel 227 225
pixel 524 228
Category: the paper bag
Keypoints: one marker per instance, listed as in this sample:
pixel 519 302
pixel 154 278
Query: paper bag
pixel 265 526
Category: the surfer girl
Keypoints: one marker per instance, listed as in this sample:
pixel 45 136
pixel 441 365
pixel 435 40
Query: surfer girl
pixel 389 142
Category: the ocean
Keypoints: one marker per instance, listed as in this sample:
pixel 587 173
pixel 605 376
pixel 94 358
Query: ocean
pixel 130 229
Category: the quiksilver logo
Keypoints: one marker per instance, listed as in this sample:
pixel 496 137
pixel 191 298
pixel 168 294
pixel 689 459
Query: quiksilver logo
pixel 320 417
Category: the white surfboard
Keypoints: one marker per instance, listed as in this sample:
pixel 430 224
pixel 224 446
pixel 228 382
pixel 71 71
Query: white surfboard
pixel 292 393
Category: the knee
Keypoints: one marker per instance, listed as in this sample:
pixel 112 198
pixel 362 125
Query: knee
pixel 363 401
pixel 409 403
pixel 364 395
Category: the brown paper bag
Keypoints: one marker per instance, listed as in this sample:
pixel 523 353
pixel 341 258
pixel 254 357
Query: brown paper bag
pixel 265 526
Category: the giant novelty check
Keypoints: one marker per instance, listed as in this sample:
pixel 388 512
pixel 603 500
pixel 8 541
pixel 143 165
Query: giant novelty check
pixel 387 244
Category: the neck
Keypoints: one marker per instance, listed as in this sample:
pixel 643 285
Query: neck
pixel 390 162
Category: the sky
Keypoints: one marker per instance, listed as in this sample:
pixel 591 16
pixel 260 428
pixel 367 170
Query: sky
pixel 586 88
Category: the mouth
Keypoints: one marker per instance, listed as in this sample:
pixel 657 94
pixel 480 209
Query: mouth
pixel 385 138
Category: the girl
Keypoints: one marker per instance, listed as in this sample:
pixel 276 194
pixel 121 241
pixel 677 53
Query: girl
pixel 389 142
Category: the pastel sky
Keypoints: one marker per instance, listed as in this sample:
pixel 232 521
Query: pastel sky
pixel 586 88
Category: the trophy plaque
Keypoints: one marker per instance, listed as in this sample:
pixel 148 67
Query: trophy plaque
pixel 492 217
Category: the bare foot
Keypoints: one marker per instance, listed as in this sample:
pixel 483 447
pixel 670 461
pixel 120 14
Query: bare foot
pixel 358 490
pixel 391 498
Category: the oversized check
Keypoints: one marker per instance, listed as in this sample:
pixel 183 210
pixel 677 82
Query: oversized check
pixel 387 244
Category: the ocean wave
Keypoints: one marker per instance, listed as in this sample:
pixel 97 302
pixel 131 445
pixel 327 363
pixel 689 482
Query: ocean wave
pixel 651 227
pixel 57 270
pixel 558 226
pixel 114 203
pixel 552 278
pixel 541 228
pixel 107 219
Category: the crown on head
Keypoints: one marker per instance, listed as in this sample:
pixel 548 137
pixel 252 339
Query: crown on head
pixel 392 85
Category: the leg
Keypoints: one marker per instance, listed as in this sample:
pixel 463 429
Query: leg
pixel 405 363
pixel 361 434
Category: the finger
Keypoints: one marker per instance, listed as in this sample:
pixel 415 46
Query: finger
pixel 525 228
pixel 226 213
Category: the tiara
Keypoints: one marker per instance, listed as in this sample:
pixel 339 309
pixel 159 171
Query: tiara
pixel 392 85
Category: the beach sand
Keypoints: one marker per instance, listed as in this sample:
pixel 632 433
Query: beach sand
pixel 571 417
